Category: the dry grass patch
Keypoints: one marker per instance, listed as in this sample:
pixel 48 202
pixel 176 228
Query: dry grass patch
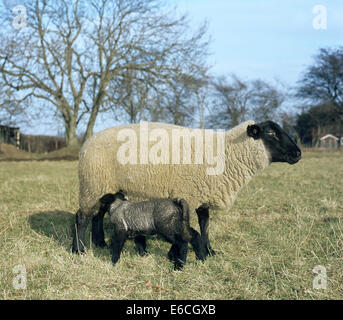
pixel 283 224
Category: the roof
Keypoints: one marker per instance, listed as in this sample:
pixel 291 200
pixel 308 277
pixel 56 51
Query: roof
pixel 329 136
pixel 2 126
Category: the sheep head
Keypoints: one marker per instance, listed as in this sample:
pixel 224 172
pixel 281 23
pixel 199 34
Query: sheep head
pixel 279 144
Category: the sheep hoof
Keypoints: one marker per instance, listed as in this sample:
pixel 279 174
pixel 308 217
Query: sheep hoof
pixel 143 253
pixel 211 252
pixel 201 256
pixel 101 244
pixel 81 252
pixel 115 260
pixel 178 265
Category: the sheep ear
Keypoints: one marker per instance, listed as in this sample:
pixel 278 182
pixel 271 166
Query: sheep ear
pixel 254 131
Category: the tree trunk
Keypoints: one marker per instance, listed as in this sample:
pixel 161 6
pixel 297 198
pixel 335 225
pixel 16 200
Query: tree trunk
pixel 70 134
pixel 202 117
pixel 91 123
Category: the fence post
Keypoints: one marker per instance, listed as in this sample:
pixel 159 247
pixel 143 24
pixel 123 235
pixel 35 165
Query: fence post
pixel 18 139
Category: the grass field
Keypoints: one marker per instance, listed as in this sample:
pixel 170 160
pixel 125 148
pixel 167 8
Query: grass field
pixel 288 220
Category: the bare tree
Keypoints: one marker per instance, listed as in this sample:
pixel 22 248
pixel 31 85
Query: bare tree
pixel 200 88
pixel 235 100
pixel 130 96
pixel 11 111
pixel 71 50
pixel 265 101
pixel 177 101
pixel 322 83
pixel 182 100
pixel 230 102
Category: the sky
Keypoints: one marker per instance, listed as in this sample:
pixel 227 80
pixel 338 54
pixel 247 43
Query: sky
pixel 265 39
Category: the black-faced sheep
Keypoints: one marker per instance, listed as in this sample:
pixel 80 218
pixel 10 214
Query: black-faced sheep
pixel 147 172
pixel 168 218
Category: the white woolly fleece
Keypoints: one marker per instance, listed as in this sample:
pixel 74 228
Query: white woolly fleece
pixel 100 172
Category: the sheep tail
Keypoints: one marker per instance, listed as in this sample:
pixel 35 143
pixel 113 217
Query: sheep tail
pixel 186 233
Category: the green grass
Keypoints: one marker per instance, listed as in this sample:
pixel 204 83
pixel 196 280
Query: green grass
pixel 285 222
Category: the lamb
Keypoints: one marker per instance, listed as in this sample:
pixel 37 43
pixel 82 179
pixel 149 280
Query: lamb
pixel 135 159
pixel 168 218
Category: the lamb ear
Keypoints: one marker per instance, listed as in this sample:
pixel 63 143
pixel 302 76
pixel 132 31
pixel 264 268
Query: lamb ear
pixel 121 195
pixel 254 131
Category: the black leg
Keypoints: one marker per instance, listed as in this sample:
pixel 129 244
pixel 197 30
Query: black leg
pixel 118 241
pixel 203 218
pixel 171 253
pixel 198 245
pixel 81 224
pixel 98 236
pixel 140 242
pixel 181 249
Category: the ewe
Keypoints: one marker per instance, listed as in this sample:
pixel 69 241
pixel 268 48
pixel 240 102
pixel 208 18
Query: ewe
pixel 109 163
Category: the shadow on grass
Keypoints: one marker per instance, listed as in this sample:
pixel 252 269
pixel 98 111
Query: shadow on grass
pixel 57 225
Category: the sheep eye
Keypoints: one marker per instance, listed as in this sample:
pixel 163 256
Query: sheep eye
pixel 273 134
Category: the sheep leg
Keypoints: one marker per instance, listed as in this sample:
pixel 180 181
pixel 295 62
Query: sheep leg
pixel 180 250
pixel 172 254
pixel 203 219
pixel 118 241
pixel 140 242
pixel 98 236
pixel 198 245
pixel 81 224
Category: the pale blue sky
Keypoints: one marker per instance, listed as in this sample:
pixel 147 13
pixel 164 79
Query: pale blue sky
pixel 266 38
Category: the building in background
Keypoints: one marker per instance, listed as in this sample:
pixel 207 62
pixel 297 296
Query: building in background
pixel 10 135
pixel 331 141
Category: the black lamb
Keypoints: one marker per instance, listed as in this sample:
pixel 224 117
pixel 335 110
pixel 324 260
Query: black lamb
pixel 168 218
